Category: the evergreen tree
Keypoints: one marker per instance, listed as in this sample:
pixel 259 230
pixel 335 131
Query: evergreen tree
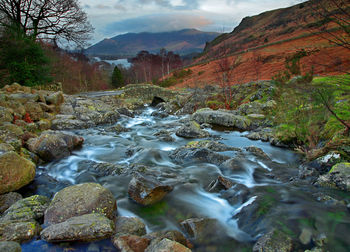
pixel 117 78
pixel 22 59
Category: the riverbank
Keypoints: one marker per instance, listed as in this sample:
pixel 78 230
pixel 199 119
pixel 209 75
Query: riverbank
pixel 166 166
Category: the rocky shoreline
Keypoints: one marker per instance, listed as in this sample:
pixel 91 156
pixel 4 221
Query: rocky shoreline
pixel 32 132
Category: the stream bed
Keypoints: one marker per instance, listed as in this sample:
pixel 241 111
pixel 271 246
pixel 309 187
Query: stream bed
pixel 257 202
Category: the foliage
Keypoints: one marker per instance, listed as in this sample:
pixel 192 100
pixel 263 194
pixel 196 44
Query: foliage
pixel 117 78
pixel 22 59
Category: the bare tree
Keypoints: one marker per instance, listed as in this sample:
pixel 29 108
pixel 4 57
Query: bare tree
pixel 48 19
pixel 333 21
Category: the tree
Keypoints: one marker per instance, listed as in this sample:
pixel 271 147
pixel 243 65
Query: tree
pixel 117 78
pixel 22 59
pixel 333 21
pixel 49 19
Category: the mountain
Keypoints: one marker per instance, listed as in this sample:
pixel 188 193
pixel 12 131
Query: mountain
pixel 126 45
pixel 259 45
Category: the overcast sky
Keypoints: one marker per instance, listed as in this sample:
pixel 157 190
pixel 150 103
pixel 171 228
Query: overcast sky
pixel 114 17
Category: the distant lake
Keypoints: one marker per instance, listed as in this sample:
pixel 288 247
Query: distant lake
pixel 123 62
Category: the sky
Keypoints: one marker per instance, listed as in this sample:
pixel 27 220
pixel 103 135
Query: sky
pixel 114 17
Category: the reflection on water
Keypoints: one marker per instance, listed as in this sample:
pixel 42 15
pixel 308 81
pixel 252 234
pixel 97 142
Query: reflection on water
pixel 190 198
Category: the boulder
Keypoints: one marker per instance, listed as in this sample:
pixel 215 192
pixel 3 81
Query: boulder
pixel 34 110
pixel 24 97
pixel 7 200
pixel 5 115
pixel 191 130
pixel 10 246
pixel 274 241
pixel 221 183
pixel 172 235
pixel 146 190
pixel 167 245
pixel 56 98
pixel 211 145
pixel 130 243
pixel 129 226
pixel 164 135
pixel 187 155
pixel 221 118
pixel 51 145
pixel 27 209
pixel 103 168
pixel 78 200
pixel 258 152
pixel 84 228
pixel 12 128
pixel 200 229
pixel 19 231
pixel 4 147
pixel 338 177
pixel 15 172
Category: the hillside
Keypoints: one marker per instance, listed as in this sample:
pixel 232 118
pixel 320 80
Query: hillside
pixel 126 45
pixel 259 45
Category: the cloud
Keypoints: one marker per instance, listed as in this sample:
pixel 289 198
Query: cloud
pixel 158 23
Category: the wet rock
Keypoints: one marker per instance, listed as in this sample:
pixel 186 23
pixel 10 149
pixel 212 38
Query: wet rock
pixel 167 245
pixel 126 112
pixel 34 110
pixel 104 169
pixel 338 177
pixel 88 227
pixel 160 114
pixel 221 183
pixel 10 246
pixel 56 98
pixel 129 226
pixel 4 147
pixel 256 107
pixel 19 231
pixel 146 190
pixel 305 236
pixel 79 200
pixel 15 172
pixel 234 164
pixel 307 172
pixel 27 209
pixel 221 118
pixel 165 136
pixel 187 155
pixel 172 235
pixel 53 145
pixel 200 229
pixel 7 200
pixel 258 152
pixel 12 128
pixel 5 115
pixel 43 124
pixel 211 145
pixel 191 130
pixel 130 243
pixel 274 241
pixel 63 122
pixel 324 164
pixel 11 139
pixel 117 129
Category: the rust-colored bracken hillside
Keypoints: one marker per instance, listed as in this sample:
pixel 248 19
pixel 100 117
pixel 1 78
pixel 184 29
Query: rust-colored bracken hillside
pixel 258 47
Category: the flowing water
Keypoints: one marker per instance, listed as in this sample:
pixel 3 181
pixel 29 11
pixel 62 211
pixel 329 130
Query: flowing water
pixel 290 208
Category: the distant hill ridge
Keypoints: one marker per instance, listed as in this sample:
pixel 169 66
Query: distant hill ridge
pixel 183 42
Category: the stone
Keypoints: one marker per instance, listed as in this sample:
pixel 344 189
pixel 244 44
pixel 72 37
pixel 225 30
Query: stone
pixel 10 246
pixel 15 172
pixel 56 98
pixel 34 110
pixel 222 118
pixel 191 130
pixel 258 152
pixel 103 168
pixel 130 243
pixel 274 241
pixel 146 190
pixel 19 231
pixel 51 145
pixel 126 112
pixel 129 226
pixel 200 229
pixel 211 145
pixel 164 135
pixel 12 128
pixel 305 236
pixel 221 183
pixel 187 155
pixel 78 200
pixel 5 115
pixel 167 245
pixel 7 200
pixel 28 209
pixel 338 177
pixel 84 228
pixel 173 235
pixel 43 124
pixel 4 147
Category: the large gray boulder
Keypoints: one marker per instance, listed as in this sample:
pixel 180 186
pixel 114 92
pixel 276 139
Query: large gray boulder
pixel 221 118
pixel 338 177
pixel 191 130
pixel 80 200
pixel 51 145
pixel 129 226
pixel 88 227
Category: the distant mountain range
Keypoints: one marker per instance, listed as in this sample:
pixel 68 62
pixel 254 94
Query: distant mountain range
pixel 128 45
